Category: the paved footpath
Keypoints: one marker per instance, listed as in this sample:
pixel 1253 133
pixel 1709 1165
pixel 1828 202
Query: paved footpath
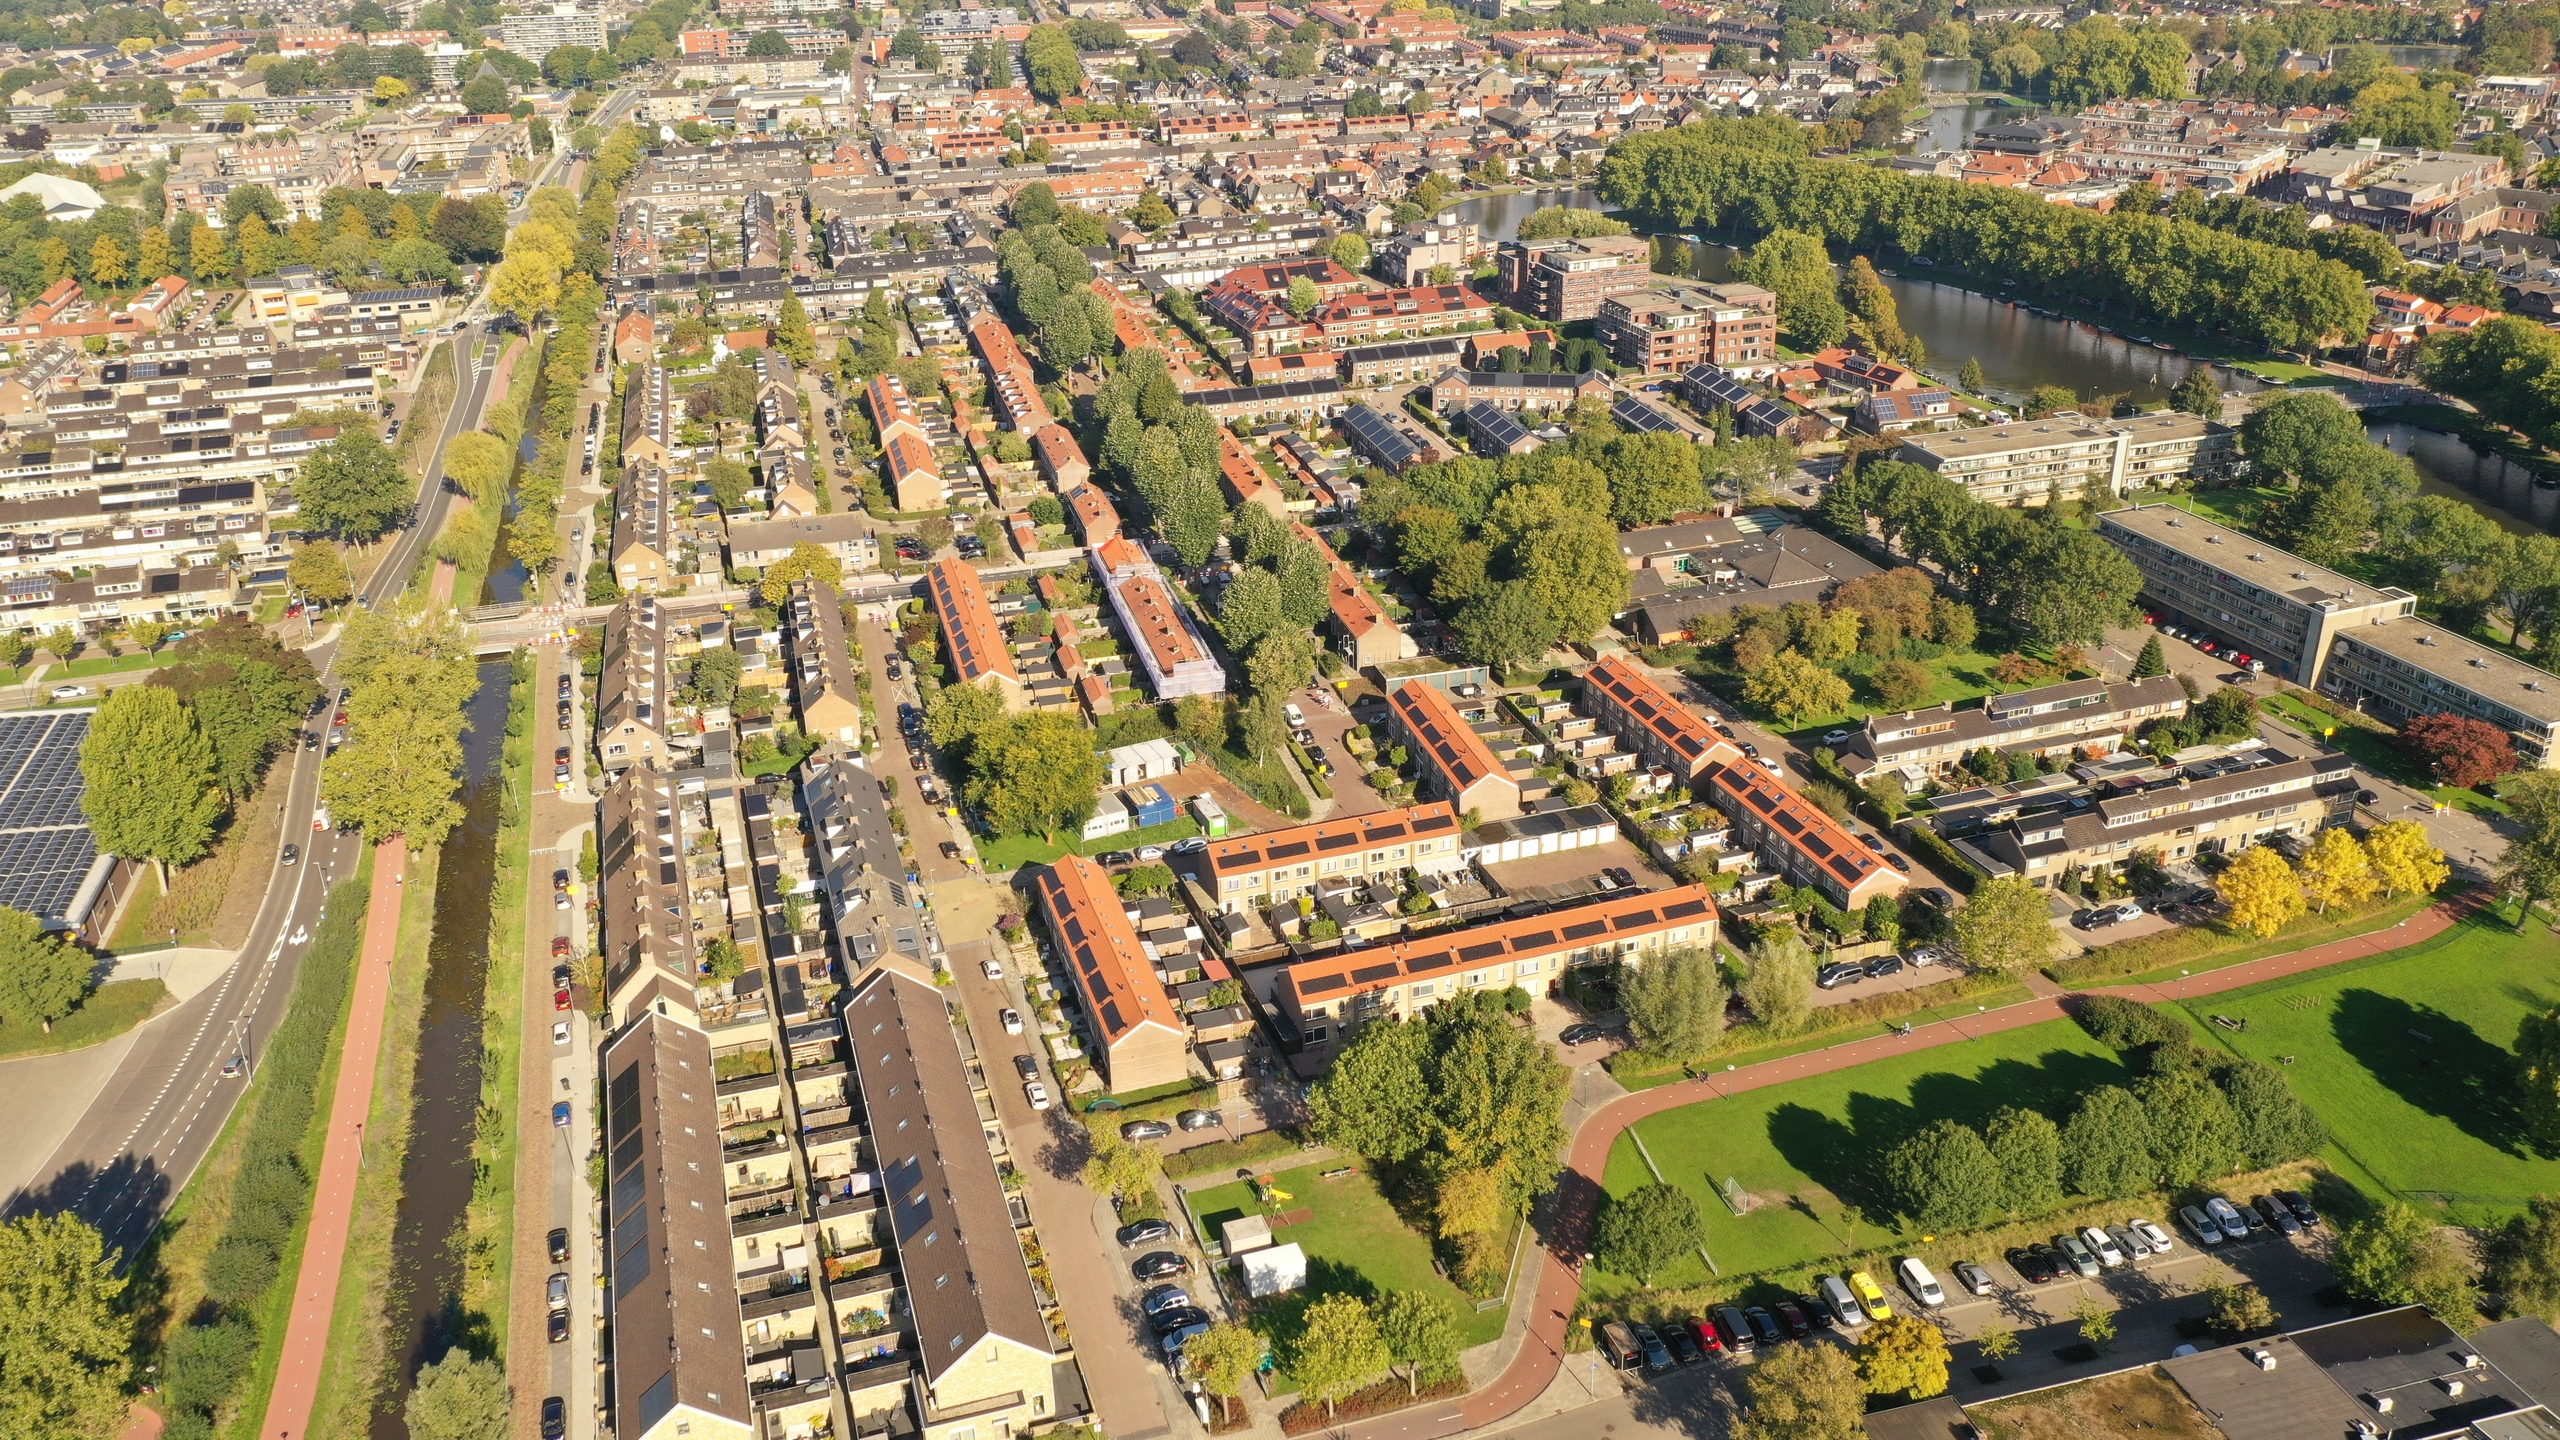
pixel 1567 1229
pixel 315 1290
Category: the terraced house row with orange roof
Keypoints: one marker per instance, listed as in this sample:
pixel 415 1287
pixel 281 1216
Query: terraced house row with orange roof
pixel 971 634
pixel 1363 632
pixel 1141 1040
pixel 1662 731
pixel 1456 762
pixel 1253 872
pixel 906 452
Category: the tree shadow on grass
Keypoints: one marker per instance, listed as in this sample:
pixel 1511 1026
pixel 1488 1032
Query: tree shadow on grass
pixel 2434 1062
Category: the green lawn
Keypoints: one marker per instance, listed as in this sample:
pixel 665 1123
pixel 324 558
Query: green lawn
pixel 1807 1149
pixel 110 1010
pixel 1011 852
pixel 1957 676
pixel 2430 1119
pixel 1356 1243
pixel 1956 1007
pixel 104 665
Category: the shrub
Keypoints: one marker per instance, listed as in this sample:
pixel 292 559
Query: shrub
pixel 2123 1024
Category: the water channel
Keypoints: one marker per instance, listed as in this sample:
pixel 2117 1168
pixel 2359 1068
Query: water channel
pixel 425 1316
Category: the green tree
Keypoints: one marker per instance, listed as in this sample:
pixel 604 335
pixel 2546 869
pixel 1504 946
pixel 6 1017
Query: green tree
pixel 1794 266
pixel 2006 927
pixel 774 45
pixel 397 777
pixel 2529 867
pixel 486 95
pixel 1675 1003
pixel 2538 1070
pixel 1647 1229
pixel 1338 1348
pixel 2398 1256
pixel 792 335
pixel 807 561
pixel 2097 1322
pixel 2523 1259
pixel 2198 395
pixel 1421 1334
pixel 458 1398
pixel 2108 1148
pixel 2291 432
pixel 1804 1392
pixel 1780 988
pixel 1303 296
pixel 2027 1147
pixel 352 488
pixel 1904 1355
pixel 1224 1357
pixel 1795 689
pixel 1350 250
pixel 42 979
pixel 1119 1167
pixel 1944 1177
pixel 319 570
pixel 1035 774
pixel 1969 379
pixel 149 777
pixel 1902 684
pixel 2151 661
pixel 65 1333
pixel 2194 1135
pixel 1461 1082
pixel 2271 1124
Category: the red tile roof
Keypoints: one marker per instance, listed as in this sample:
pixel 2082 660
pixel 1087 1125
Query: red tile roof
pixel 1452 745
pixel 1110 968
pixel 969 629
pixel 1631 692
pixel 1557 932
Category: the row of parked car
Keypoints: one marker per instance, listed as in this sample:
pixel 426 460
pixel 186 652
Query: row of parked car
pixel 1850 972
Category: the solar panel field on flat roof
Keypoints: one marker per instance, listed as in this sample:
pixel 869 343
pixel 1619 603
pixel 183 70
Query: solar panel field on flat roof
pixel 46 850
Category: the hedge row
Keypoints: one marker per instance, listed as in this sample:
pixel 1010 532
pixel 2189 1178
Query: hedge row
pixel 1960 872
pixel 206 1362
pixel 1251 1152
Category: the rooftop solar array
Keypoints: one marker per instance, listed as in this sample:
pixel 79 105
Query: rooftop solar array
pixel 1379 438
pixel 1634 414
pixel 1493 427
pixel 46 851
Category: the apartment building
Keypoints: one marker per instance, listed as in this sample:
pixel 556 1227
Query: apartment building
pixel 1795 838
pixel 1411 254
pixel 633 718
pixel 1661 731
pixel 537 32
pixel 1254 872
pixel 971 635
pixel 1176 660
pixel 154 526
pixel 1672 325
pixel 1565 280
pixel 2216 806
pixel 1363 632
pixel 825 680
pixel 1140 1039
pixel 2405 668
pixel 1456 763
pixel 643 528
pixel 2278 607
pixel 2030 461
pixel 2087 718
pixel 761 544
pixel 1328 998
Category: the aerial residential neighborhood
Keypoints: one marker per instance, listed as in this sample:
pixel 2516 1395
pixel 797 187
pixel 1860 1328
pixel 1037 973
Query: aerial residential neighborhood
pixel 1129 719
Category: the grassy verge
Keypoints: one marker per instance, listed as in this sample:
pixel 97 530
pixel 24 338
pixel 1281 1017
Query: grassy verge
pixel 1837 1025
pixel 427 412
pixel 110 1010
pixel 2158 959
pixel 1253 1152
pixel 1013 851
pixel 489 1224
pixel 361 1366
pixel 105 665
pixel 2374 750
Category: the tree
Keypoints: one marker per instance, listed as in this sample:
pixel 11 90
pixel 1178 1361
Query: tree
pixel 1117 1166
pixel 2523 1259
pixel 2271 1125
pixel 42 979
pixel 2261 891
pixel 1804 1392
pixel 1338 1348
pixel 459 1398
pixel 1795 689
pixel 2335 868
pixel 149 777
pixel 2236 1309
pixel 2538 1067
pixel 1303 296
pixel 1033 204
pixel 807 561
pixel 1675 1003
pixel 2459 750
pixel 107 261
pixel 397 778
pixel 2290 432
pixel 2398 1256
pixel 319 570
pixel 525 285
pixel 2151 661
pixel 2194 1135
pixel 1421 1334
pixel 352 488
pixel 2529 867
pixel 1461 1082
pixel 1779 988
pixel 533 538
pixel 2198 395
pixel 1902 684
pixel 2107 1147
pixel 1969 379
pixel 1944 1177
pixel 1224 1358
pixel 2005 928
pixel 1874 315
pixel 1641 1232
pixel 2097 1322
pixel 2404 858
pixel 2027 1147
pixel 1904 1355
pixel 486 94
pixel 1203 722
pixel 774 45
pixel 65 1334
pixel 1794 266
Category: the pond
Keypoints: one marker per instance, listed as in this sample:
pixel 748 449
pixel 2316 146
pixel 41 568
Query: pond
pixel 2490 483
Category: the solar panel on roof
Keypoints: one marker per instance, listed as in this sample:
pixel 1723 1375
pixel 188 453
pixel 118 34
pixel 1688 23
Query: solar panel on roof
pixel 1634 414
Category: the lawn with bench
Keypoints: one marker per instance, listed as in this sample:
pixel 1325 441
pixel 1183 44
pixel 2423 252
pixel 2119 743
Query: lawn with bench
pixel 1354 1240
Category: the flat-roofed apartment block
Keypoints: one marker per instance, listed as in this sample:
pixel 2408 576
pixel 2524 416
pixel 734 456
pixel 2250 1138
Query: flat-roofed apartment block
pixel 2280 608
pixel 643 527
pixel 1567 279
pixel 983 1365
pixel 1143 1042
pixel 971 635
pixel 1254 872
pixel 2090 717
pixel 648 418
pixel 823 675
pixel 678 1356
pixel 1459 765
pixel 644 909
pixel 1671 325
pixel 1328 997
pixel 1176 660
pixel 1660 730
pixel 2405 668
pixel 2028 461
pixel 632 715
pixel 1363 631
pixel 2216 806
pixel 1796 839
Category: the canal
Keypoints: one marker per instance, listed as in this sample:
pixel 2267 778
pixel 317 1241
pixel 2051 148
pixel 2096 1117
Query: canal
pixel 2490 483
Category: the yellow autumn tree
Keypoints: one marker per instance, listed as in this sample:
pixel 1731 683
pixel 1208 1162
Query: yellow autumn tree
pixel 2335 869
pixel 107 262
pixel 157 258
pixel 2404 858
pixel 2262 891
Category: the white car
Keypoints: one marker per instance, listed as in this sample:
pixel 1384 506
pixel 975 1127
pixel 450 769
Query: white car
pixel 2102 1245
pixel 70 692
pixel 992 970
pixel 560 1032
pixel 1776 770
pixel 1012 1021
pixel 1151 852
pixel 1922 1285
pixel 2152 1235
pixel 1036 1093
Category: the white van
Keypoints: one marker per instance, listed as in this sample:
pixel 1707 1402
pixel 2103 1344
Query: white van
pixel 1922 1285
pixel 1843 1306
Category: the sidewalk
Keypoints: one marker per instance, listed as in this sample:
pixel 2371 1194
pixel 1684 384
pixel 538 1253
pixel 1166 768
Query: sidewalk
pixel 1534 1368
pixel 324 1248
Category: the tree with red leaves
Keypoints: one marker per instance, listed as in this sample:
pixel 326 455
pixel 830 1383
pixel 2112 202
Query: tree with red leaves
pixel 2459 750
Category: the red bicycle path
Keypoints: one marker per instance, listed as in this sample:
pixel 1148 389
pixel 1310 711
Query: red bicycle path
pixel 1578 1190
pixel 324 1249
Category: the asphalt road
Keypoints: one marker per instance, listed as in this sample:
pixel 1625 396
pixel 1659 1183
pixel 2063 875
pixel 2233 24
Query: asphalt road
pixel 151 1126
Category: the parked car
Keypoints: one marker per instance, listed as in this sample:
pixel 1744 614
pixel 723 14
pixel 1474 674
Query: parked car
pixel 557 1291
pixel 1974 1278
pixel 1145 1232
pixel 1836 737
pixel 991 969
pixel 2152 1235
pixel 2033 1264
pixel 555 1418
pixel 1036 1093
pixel 1884 965
pixel 560 999
pixel 1839 973
pixel 2133 1246
pixel 560 1032
pixel 2235 1226
pixel 2076 1255
pixel 1147 854
pixel 1174 1321
pixel 1703 1330
pixel 559 1327
pixel 1582 1033
pixel 1683 1345
pixel 1198 1120
pixel 1735 1330
pixel 1870 1295
pixel 1012 1019
pixel 2301 1208
pixel 1840 1304
pixel 2278 1214
pixel 2200 1225
pixel 1145 1130
pixel 1657 1356
pixel 1923 956
pixel 558 1244
pixel 1160 1265
pixel 1619 1342
pixel 1918 1283
pixel 1161 1298
pixel 1791 1318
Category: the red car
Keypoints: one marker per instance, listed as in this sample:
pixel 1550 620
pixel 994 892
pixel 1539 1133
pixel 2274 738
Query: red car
pixel 1708 1340
pixel 559 946
pixel 559 999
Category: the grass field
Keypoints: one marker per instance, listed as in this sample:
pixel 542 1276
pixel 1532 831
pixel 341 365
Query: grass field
pixel 110 1010
pixel 1355 1243
pixel 2408 1058
pixel 104 665
pixel 1807 1149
